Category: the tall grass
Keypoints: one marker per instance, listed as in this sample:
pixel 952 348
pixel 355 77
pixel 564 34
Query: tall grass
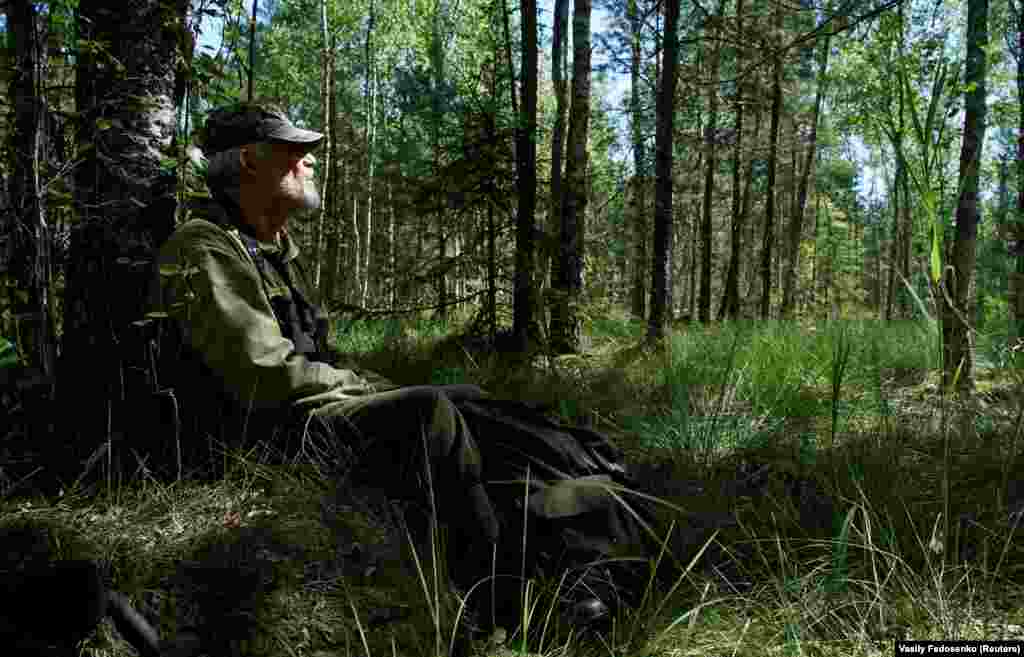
pixel 815 403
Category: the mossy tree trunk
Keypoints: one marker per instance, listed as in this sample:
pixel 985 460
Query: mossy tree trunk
pixel 126 99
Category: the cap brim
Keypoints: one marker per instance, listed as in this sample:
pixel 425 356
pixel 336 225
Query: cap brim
pixel 293 135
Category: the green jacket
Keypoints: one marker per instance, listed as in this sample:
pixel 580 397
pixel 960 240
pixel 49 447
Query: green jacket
pixel 218 302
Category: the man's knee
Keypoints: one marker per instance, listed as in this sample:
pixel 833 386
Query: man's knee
pixel 430 400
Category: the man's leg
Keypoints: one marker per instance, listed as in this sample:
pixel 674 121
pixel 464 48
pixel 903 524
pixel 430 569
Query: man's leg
pixel 413 443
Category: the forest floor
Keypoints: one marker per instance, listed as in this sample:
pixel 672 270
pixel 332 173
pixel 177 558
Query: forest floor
pixel 818 495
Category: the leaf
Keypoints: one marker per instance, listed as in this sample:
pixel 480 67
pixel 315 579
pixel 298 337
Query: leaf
pixel 103 124
pixel 936 257
pixel 156 314
pixel 170 270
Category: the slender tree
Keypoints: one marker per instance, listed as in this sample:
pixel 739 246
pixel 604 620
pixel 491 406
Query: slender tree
pixel 796 224
pixel 730 294
pixel 370 96
pixel 640 169
pixel 711 152
pixel 564 319
pixel 325 167
pixel 661 278
pixel 1015 41
pixel 29 226
pixel 558 51
pixel 524 321
pixel 958 359
pixel 773 151
pixel 334 170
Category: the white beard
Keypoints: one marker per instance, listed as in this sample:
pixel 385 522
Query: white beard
pixel 308 200
pixel 310 196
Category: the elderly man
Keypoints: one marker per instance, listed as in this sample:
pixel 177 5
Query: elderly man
pixel 250 344
pixel 232 282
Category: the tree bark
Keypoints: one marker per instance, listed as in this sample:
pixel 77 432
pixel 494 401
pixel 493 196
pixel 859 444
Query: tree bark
pixel 636 216
pixel 773 149
pixel 371 142
pixel 1017 276
pixel 565 325
pixel 437 111
pixel 661 278
pixel 751 226
pixel 333 169
pixel 29 227
pixel 125 99
pixel 730 295
pixel 796 224
pixel 523 311
pixel 955 329
pixel 897 187
pixel 639 214
pixel 558 56
pixel 325 167
pixel 704 306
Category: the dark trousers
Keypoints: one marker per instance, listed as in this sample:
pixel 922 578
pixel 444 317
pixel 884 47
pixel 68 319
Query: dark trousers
pixel 414 444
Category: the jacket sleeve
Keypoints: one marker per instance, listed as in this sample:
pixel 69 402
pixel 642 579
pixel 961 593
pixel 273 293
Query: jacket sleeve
pixel 209 286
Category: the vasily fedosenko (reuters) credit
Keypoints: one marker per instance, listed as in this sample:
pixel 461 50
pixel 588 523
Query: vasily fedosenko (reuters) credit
pixel 959 648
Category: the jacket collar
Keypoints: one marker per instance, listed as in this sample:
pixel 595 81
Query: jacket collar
pixel 228 216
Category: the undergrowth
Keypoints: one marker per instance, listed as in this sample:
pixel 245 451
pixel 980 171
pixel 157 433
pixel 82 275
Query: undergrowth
pixel 817 495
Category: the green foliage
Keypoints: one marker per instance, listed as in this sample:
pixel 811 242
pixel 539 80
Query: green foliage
pixel 8 354
pixel 779 372
pixel 605 327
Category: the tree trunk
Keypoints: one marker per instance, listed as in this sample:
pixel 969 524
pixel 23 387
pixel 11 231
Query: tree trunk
pixel 370 91
pixel 815 268
pixel 334 210
pixel 441 279
pixel 890 293
pixel 392 250
pixel 751 226
pixel 661 278
pixel 491 309
pixel 956 336
pixel 773 149
pixel 1017 277
pixel 357 238
pixel 639 214
pixel 126 202
pixel 730 295
pixel 796 224
pixel 524 320
pixel 565 325
pixel 704 306
pixel 29 229
pixel 636 217
pixel 437 111
pixel 325 104
pixel 695 237
pixel 555 207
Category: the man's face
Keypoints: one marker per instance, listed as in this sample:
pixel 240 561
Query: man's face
pixel 297 186
pixel 286 177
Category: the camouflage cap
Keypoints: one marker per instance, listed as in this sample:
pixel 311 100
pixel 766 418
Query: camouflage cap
pixel 251 122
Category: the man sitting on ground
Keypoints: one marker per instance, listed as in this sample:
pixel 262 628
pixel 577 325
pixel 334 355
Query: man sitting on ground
pixel 248 320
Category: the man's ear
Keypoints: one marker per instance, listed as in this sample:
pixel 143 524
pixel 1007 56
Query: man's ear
pixel 247 160
pixel 251 161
